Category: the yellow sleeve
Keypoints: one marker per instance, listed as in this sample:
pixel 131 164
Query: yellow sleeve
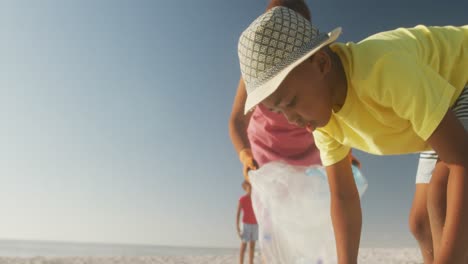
pixel 331 151
pixel 414 91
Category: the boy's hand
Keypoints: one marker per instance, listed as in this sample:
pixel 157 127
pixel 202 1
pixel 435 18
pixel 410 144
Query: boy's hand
pixel 239 233
pixel 248 161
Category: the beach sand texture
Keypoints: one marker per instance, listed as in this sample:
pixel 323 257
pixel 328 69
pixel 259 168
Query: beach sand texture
pixel 366 256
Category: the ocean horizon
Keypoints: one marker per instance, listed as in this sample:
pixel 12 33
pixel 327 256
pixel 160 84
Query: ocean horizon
pixel 33 248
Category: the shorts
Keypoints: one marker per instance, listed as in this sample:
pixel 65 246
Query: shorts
pixel 249 232
pixel 428 159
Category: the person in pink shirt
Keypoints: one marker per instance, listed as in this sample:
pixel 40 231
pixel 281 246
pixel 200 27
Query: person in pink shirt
pixel 249 233
pixel 262 136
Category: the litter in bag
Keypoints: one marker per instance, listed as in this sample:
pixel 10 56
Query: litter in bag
pixel 292 207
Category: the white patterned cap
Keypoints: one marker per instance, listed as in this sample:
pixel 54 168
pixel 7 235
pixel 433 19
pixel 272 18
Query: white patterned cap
pixel 273 45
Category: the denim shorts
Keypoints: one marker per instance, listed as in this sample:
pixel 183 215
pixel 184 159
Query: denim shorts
pixel 428 159
pixel 249 232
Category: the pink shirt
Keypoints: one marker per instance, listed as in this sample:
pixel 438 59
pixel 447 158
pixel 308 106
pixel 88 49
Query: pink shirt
pixel 273 138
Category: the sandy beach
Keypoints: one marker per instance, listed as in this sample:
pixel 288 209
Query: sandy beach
pixel 367 256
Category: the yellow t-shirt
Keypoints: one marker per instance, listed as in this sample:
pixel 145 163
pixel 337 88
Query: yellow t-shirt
pixel 400 85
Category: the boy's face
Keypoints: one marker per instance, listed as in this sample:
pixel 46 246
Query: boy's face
pixel 305 97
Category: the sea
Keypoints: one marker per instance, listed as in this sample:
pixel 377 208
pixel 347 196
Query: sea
pixel 26 248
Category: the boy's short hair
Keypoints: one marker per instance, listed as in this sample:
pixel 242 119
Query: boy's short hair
pixel 245 183
pixel 297 5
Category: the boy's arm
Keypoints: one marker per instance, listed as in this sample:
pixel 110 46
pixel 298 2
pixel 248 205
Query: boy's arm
pixel 345 211
pixel 238 218
pixel 450 141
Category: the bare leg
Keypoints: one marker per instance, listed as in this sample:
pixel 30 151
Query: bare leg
pixel 437 203
pixel 419 223
pixel 242 252
pixel 251 252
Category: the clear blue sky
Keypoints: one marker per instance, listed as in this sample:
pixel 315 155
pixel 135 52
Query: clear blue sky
pixel 114 118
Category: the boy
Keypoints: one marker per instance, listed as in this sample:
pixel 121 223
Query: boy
pixel 396 92
pixel 249 232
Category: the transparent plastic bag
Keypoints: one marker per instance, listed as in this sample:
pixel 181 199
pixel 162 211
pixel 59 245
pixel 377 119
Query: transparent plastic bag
pixel 292 206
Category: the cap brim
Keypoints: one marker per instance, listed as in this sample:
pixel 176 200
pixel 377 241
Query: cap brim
pixel 261 93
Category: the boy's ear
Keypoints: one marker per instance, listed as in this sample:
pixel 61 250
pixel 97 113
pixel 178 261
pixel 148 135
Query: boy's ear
pixel 323 60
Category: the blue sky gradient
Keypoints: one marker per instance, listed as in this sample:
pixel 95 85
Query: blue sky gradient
pixel 114 118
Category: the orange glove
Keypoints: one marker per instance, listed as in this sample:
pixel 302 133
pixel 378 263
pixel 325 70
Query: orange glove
pixel 248 162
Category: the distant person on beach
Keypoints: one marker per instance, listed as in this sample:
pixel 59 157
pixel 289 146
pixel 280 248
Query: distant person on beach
pixel 396 92
pixel 249 232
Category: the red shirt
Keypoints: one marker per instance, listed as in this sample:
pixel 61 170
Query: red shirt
pixel 247 210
